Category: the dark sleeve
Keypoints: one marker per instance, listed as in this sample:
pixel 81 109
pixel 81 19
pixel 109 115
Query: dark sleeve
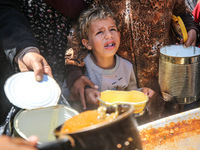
pixel 189 23
pixel 74 56
pixel 72 73
pixel 15 31
pixel 182 10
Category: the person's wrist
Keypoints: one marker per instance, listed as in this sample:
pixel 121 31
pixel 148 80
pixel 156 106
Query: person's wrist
pixel 24 52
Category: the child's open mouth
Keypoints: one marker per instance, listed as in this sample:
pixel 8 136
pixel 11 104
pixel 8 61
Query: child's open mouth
pixel 110 45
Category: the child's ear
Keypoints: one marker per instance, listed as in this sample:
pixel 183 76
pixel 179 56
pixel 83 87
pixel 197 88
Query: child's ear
pixel 86 44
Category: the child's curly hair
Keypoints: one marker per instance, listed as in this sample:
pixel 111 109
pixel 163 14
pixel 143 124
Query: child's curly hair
pixel 93 14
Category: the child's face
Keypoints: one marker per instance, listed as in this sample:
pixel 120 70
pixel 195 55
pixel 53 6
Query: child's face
pixel 103 38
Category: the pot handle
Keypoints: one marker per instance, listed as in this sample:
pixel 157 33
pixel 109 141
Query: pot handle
pixel 61 144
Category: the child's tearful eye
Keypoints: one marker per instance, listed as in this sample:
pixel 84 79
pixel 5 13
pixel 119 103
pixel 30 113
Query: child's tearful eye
pixel 113 29
pixel 99 32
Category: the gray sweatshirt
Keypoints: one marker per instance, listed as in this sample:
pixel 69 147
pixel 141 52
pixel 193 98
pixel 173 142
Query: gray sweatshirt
pixel 121 77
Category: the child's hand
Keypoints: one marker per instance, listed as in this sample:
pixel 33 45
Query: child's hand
pixel 77 89
pixel 149 92
pixel 91 96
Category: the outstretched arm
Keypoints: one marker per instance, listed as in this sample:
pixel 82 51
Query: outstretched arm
pixel 182 10
pixel 16 37
pixel 74 70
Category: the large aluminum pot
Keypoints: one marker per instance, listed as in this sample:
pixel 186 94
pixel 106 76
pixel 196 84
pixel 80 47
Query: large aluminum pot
pixel 179 73
pixel 41 122
pixel 120 133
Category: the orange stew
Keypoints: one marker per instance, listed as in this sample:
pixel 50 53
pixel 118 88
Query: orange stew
pixel 83 120
pixel 172 133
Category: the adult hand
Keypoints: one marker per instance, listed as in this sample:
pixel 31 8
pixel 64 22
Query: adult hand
pixel 10 143
pixel 37 63
pixel 77 89
pixel 192 36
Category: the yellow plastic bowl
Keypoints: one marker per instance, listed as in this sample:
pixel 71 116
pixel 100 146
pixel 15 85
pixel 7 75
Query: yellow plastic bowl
pixel 136 98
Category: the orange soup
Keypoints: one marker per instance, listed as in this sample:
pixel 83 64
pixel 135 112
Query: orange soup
pixel 83 120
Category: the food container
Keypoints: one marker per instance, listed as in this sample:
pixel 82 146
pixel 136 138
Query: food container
pixel 179 73
pixel 23 91
pixel 135 98
pixel 176 132
pixel 41 122
pixel 119 133
pixel 178 29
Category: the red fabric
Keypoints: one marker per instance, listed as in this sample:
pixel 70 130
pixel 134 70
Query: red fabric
pixel 196 13
pixel 69 8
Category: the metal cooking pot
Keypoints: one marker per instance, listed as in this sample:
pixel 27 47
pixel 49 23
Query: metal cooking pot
pixel 120 133
pixel 179 73
pixel 41 122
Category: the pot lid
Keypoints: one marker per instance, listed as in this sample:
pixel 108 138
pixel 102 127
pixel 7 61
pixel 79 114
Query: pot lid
pixel 23 91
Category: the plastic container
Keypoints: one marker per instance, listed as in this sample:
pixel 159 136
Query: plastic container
pixel 178 28
pixel 136 98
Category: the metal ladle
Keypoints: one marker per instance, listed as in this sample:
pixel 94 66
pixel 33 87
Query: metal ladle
pixel 114 104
